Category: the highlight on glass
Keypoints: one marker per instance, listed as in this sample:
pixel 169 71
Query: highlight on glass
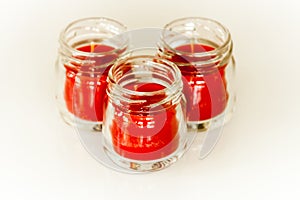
pixel 202 49
pixel 88 48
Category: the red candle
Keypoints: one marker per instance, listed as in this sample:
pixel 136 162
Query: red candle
pixel 85 85
pixel 204 87
pixel 140 134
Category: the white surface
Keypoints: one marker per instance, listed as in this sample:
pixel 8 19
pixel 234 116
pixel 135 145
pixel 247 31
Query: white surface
pixel 257 157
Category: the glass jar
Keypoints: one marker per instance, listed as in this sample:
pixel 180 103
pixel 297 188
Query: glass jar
pixel 88 48
pixel 202 49
pixel 144 125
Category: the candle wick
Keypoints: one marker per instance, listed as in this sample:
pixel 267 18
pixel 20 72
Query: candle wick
pixel 92 47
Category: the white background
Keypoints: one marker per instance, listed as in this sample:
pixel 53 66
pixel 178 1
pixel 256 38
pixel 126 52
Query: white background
pixel 256 158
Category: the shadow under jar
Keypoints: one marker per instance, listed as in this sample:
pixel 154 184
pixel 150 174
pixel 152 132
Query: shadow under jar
pixel 202 49
pixel 88 48
pixel 144 124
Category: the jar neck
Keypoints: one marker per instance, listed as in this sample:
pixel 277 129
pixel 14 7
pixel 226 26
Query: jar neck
pixel 92 43
pixel 200 42
pixel 144 83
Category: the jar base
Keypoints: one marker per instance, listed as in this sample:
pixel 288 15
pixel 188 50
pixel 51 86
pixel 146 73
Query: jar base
pixel 215 122
pixel 81 124
pixel 200 126
pixel 140 166
pixel 144 166
pixel 205 125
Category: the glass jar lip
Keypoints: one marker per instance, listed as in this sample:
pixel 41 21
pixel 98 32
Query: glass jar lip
pixel 91 54
pixel 122 60
pixel 200 54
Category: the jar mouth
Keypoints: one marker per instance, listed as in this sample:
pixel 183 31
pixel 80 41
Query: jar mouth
pixel 115 30
pixel 169 29
pixel 142 66
pixel 113 80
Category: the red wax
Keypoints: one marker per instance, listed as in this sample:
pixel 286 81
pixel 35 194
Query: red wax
pixel 85 86
pixel 204 87
pixel 140 135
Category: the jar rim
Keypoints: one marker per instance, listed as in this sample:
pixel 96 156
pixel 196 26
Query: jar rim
pixel 127 58
pixel 63 33
pixel 215 51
